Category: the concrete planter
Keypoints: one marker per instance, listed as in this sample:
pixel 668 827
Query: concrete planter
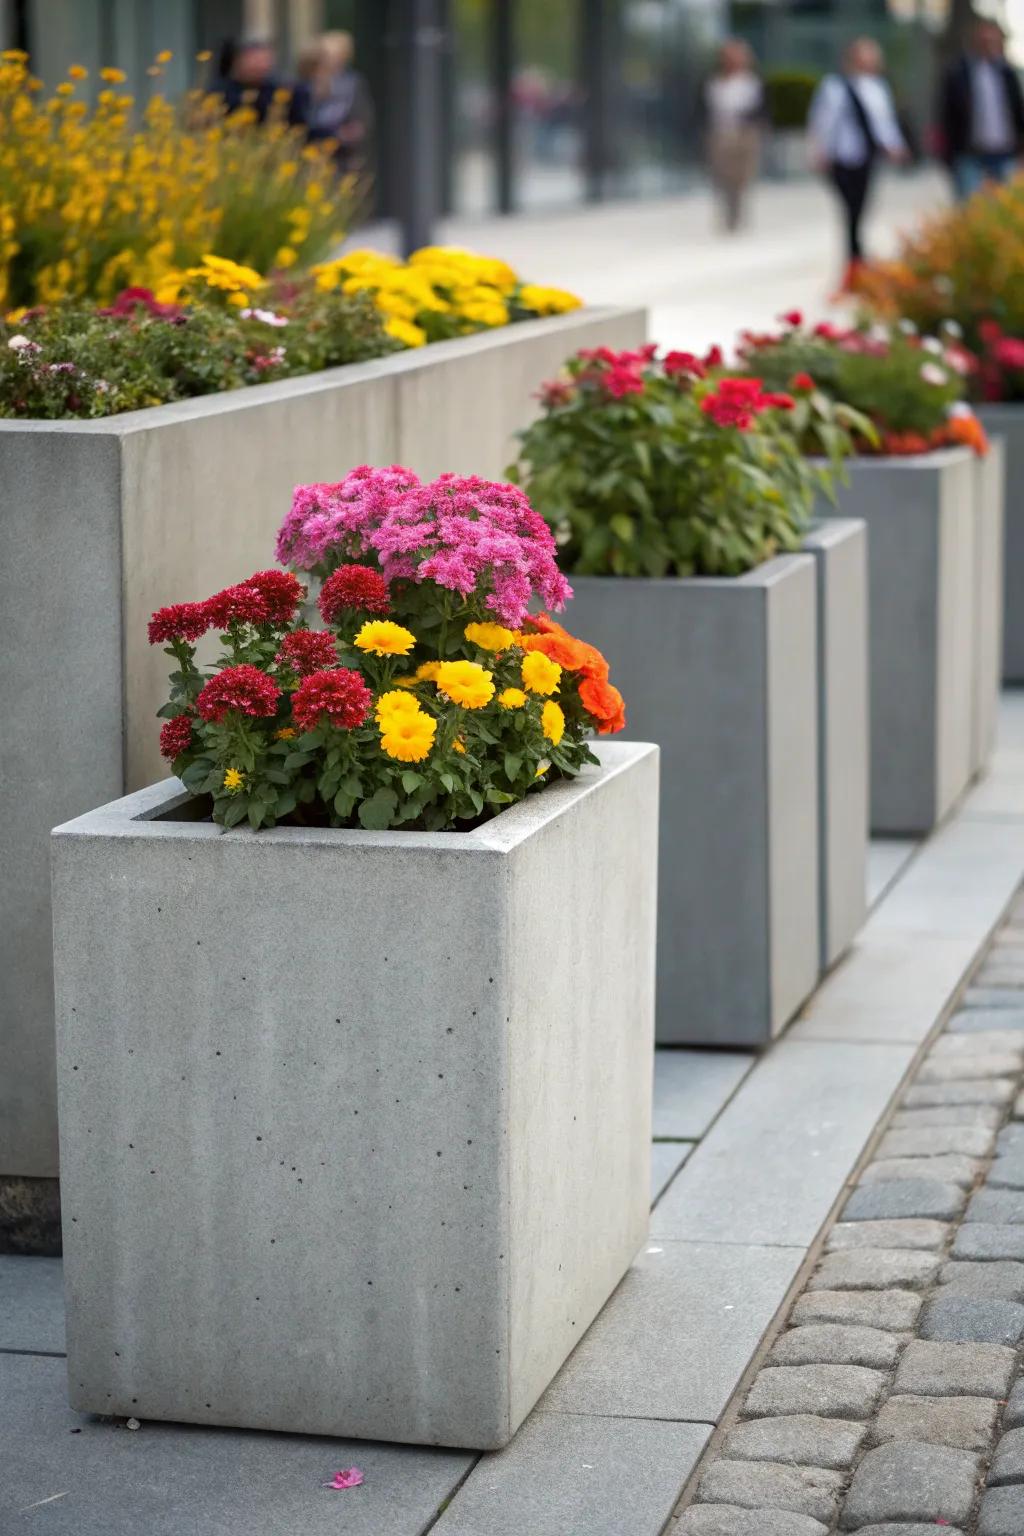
pixel 1007 422
pixel 839 547
pixel 105 521
pixel 921 522
pixel 990 478
pixel 374 1174
pixel 722 674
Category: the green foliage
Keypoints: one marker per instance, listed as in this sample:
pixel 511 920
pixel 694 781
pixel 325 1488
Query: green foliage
pixel 789 93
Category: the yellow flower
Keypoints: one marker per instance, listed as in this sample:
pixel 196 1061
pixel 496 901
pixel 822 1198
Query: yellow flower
pixel 489 637
pixel 540 673
pixel 286 733
pixel 552 722
pixel 286 256
pixel 165 56
pixel 382 638
pixel 403 682
pixel 542 768
pixel 466 683
pixel 78 72
pixel 427 672
pixel 395 702
pixel 459 746
pixel 512 698
pixel 239 300
pixel 233 781
pixel 408 738
pixel 64 89
pixel 404 331
pixel 547 301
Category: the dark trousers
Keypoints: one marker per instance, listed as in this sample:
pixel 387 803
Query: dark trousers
pixel 853 183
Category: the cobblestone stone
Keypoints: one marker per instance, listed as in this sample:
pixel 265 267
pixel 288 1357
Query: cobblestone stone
pixel 996 1038
pixel 903 1528
pixel 906 1480
pixel 893 1310
pixel 933 1140
pixel 966 1423
pixel 730 1520
pixel 1007 1172
pixel 1018 1107
pixel 837 1344
pixel 988 1115
pixel 924 1236
pixel 989 1240
pixel 932 1369
pixel 986 1064
pixel 1013 1414
pixel 1010 1139
pixel 1002 1512
pixel 980 1020
pixel 964 1278
pixel 982 1091
pixel 875 1269
pixel 764 1485
pixel 905 1199
pixel 833 1391
pixel 986 998
pixel 972 1319
pixel 1005 1207
pixel 1008 1462
pixel 950 1169
pixel 798 1440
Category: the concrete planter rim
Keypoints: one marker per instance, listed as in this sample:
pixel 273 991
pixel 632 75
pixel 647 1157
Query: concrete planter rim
pixel 137 816
pixel 414 360
pixel 768 574
pixel 935 458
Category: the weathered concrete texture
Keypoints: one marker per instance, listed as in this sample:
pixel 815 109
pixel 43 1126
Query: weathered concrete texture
pixel 1007 422
pixel 922 592
pixel 761 1485
pixel 29 1215
pixel 833 1391
pixel 906 1480
pixel 895 1309
pixel 905 1199
pixel 738 880
pixel 732 1520
pixel 798 1440
pixel 955 1370
pixel 208 1104
pixel 990 498
pixel 836 1344
pixel 839 547
pixel 220 471
pixel 967 1423
pixel 31 1305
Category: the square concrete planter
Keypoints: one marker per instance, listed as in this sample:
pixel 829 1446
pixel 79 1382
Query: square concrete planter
pixel 990 482
pixel 921 522
pixel 840 550
pixel 104 521
pixel 722 674
pixel 355 1127
pixel 1007 422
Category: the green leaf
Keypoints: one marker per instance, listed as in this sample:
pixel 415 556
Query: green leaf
pixel 411 780
pixel 622 527
pixel 376 813
pixel 513 765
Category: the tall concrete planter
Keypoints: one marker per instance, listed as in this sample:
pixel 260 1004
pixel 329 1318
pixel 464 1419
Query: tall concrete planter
pixel 722 674
pixel 989 533
pixel 839 547
pixel 1007 421
pixel 374 1173
pixel 921 522
pixel 104 521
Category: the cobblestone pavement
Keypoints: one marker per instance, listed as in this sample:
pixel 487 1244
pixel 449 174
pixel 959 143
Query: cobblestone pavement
pixel 891 1403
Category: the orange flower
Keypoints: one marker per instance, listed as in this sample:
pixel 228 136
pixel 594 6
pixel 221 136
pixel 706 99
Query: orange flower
pixel 966 430
pixel 604 704
pixel 558 645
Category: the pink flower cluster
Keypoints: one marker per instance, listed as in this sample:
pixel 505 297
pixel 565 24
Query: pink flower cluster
pixel 736 403
pixel 465 534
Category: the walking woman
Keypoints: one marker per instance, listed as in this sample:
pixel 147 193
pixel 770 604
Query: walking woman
pixel 733 106
pixel 853 125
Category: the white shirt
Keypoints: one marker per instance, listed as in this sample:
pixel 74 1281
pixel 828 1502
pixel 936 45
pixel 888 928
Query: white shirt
pixel 834 126
pixel 991 123
pixel 732 99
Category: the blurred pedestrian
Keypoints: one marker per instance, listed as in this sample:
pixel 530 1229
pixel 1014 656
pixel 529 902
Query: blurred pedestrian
pixel 734 111
pixel 853 125
pixel 981 113
pixel 251 81
pixel 340 106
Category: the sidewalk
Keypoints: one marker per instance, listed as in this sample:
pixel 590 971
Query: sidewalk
pixel 750 1160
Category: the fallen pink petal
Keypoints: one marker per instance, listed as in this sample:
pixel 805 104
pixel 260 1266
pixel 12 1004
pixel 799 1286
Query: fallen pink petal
pixel 348 1477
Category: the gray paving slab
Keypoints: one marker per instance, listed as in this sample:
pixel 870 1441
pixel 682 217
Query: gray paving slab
pixel 890 987
pixel 692 1087
pixel 169 1480
pixel 667 1157
pixel 31 1304
pixel 564 1473
pixel 677 1335
pixel 887 858
pixel 771 1167
pixel 958 884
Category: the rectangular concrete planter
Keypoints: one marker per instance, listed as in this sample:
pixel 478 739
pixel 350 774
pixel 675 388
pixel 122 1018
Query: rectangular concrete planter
pixel 1007 422
pixel 354 1127
pixel 921 522
pixel 989 533
pixel 840 550
pixel 104 521
pixel 722 674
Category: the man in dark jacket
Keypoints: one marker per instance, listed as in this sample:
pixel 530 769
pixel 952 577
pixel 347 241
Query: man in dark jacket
pixel 982 113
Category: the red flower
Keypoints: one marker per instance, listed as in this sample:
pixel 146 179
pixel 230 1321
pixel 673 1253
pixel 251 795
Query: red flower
pixel 131 299
pixel 775 402
pixel 714 358
pixel 340 695
pixel 175 737
pixel 244 688
pixel 307 650
pixel 793 317
pixel 178 621
pixel 621 381
pixel 353 587
pixel 1009 352
pixel 555 392
pixel 281 591
pixel 736 402
pixel 241 604
pixel 685 364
